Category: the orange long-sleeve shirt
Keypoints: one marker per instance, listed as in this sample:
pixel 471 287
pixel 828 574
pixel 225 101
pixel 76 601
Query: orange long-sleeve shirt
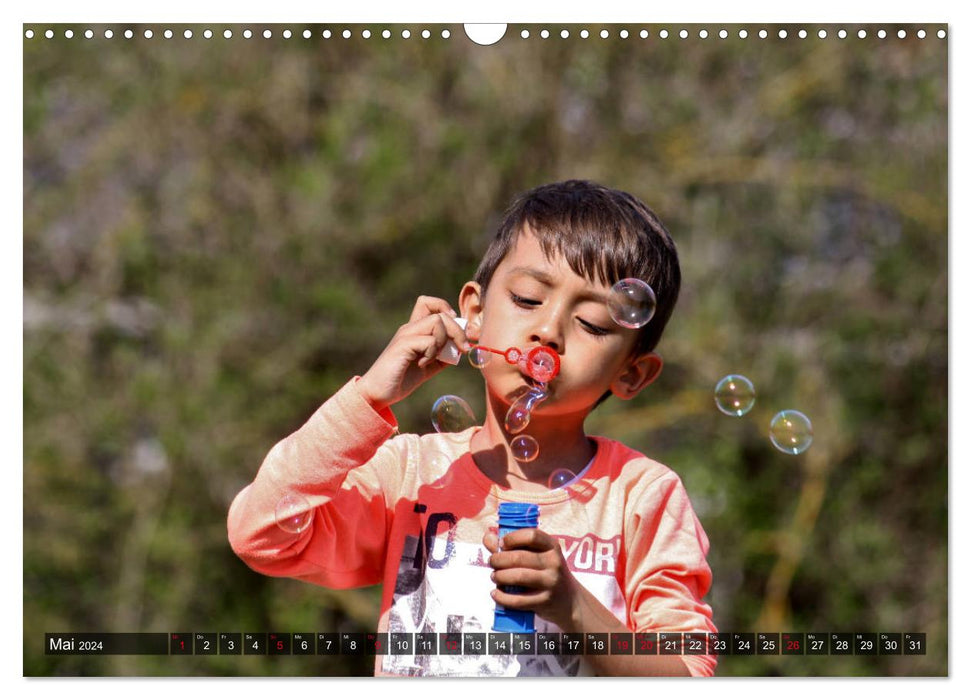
pixel 410 512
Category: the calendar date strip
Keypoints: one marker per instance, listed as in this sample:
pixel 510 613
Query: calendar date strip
pixel 483 643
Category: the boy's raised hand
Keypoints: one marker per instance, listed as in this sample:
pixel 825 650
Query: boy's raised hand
pixel 410 358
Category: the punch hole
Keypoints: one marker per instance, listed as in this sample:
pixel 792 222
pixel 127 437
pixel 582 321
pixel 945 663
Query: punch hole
pixel 584 34
pixel 425 34
pixel 643 34
pixel 485 34
pixel 723 34
pixel 545 34
pixel 763 34
pixel 366 33
pixel 783 34
pixel 604 34
pixel 683 34
pixel 941 34
pixel 247 34
pixel 446 34
pixel 29 34
pixel 624 34
pixel 109 34
pixel 386 34
pixel 405 34
pixel 326 34
pixel 267 34
pixel 882 34
pixel 88 34
pixel 346 34
pixel 861 33
pixel 287 34
pixel 187 33
pixel 227 34
pixel 129 33
pixel 564 34
pixel 901 34
pixel 921 34
pixel 307 33
pixel 69 34
pixel 148 34
pixel 663 34
pixel 821 33
pixel 703 33
pixel 841 33
pixel 524 34
pixel 49 33
pixel 743 34
pixel 207 34
pixel 167 33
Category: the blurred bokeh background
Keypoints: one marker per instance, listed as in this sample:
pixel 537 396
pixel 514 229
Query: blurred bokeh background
pixel 219 233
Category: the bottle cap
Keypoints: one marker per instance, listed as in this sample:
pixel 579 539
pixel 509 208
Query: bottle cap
pixel 450 354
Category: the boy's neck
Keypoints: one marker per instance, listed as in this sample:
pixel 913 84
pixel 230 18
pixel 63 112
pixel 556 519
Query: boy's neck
pixel 562 445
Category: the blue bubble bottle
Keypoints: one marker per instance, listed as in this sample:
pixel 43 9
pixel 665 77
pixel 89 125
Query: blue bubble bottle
pixel 515 516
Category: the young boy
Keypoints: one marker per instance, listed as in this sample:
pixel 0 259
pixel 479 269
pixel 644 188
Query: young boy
pixel 618 548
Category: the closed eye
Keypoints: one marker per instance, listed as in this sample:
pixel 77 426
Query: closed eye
pixel 523 301
pixel 592 329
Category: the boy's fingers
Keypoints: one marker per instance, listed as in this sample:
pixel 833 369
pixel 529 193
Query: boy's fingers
pixel 518 601
pixel 426 306
pixel 524 578
pixel 491 542
pixel 528 538
pixel 517 559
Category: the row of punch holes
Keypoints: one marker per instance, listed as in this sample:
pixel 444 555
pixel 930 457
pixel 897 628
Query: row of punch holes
pixel 524 34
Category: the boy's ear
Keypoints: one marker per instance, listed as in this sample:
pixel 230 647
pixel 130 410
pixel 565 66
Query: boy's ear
pixel 471 307
pixel 637 374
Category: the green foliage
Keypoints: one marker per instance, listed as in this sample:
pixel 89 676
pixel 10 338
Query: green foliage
pixel 218 234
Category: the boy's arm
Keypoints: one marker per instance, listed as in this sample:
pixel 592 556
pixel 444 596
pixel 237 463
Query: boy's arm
pixel 343 467
pixel 313 463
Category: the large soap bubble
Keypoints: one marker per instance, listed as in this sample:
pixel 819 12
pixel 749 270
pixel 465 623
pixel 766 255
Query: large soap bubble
pixel 452 414
pixel 631 303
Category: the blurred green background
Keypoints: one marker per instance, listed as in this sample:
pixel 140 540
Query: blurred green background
pixel 219 233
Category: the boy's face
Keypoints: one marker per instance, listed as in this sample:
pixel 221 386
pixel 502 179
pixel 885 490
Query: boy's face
pixel 532 300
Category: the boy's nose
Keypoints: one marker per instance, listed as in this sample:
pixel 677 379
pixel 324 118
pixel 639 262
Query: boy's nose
pixel 548 333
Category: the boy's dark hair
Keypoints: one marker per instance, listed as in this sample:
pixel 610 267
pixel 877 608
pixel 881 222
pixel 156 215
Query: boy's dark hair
pixel 603 234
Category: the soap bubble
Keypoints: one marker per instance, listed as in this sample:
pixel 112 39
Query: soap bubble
pixel 479 358
pixel 631 303
pixel 791 432
pixel 524 448
pixel 451 414
pixel 293 513
pixel 734 395
pixel 560 478
pixel 521 410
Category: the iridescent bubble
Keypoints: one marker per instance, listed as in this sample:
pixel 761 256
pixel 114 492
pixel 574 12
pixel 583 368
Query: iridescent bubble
pixel 451 414
pixel 293 513
pixel 631 303
pixel 560 478
pixel 479 358
pixel 791 432
pixel 734 395
pixel 521 410
pixel 524 448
